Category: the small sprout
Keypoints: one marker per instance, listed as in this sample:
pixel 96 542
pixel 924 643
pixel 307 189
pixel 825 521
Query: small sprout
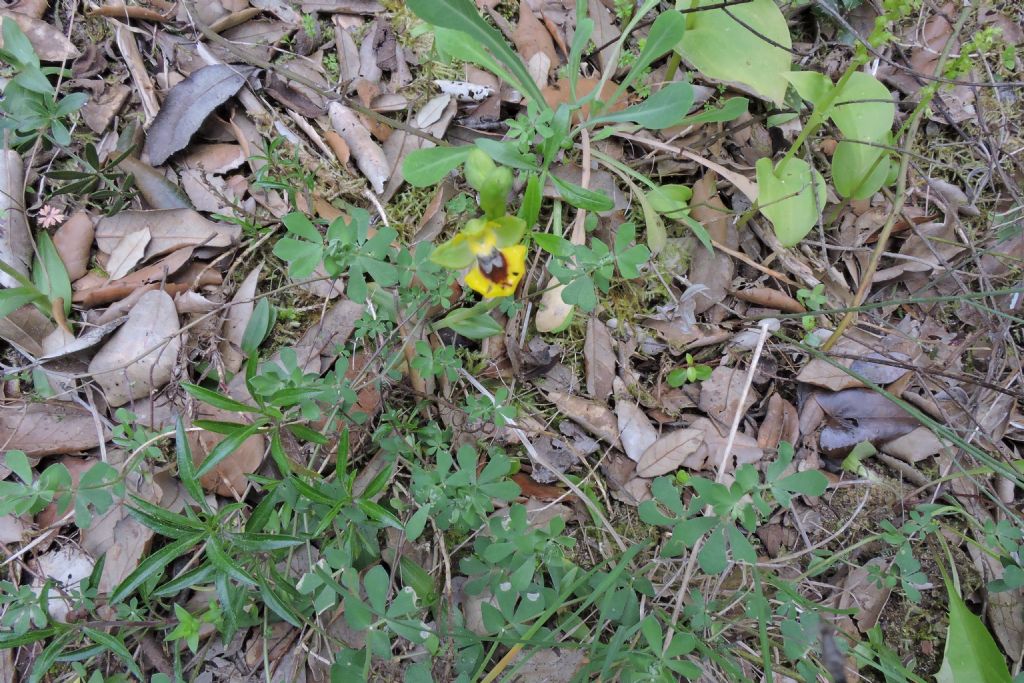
pixel 693 372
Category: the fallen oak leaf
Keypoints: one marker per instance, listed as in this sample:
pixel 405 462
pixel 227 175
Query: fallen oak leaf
pixel 188 104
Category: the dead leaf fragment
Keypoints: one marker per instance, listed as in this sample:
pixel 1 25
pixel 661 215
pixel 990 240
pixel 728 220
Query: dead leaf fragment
pixel 170 230
pixel 369 156
pixel 48 428
pixel 50 44
pixel 73 242
pixel 228 477
pixel 187 105
pixel 531 38
pixel 599 357
pixel 744 448
pixel 68 566
pixel 720 394
pixel 15 239
pixel 237 319
pixel 595 417
pixel 128 252
pixel 669 452
pixel 151 331
pixel 635 429
pixel 715 269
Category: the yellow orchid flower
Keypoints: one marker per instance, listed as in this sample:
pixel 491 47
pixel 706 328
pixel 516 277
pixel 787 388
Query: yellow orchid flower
pixel 497 271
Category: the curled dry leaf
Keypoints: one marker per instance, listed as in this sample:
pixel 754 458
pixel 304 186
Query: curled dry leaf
pixel 635 429
pixel 73 241
pixel 865 596
pixel 188 104
pixel 368 155
pixel 89 338
pixel 128 252
pixel 599 357
pixel 595 417
pixel 171 229
pixel 767 297
pixel 48 428
pixel 531 38
pixel 823 374
pixel 714 270
pixel 15 239
pixel 228 478
pixel 781 423
pixel 219 157
pixel 155 188
pixel 708 455
pixel 94 290
pixel 860 415
pixel 669 452
pixel 25 329
pixel 239 313
pixel 720 394
pixel 151 332
pixel 50 44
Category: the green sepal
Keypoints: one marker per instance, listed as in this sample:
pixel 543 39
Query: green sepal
pixel 453 254
pixel 508 230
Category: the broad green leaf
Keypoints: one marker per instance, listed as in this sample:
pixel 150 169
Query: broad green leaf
pixel 732 108
pixel 13 299
pixel 582 198
pixel 425 167
pixel 475 325
pixel 506 154
pixel 670 200
pixel 810 85
pixel 859 171
pixel 298 224
pixel 462 16
pixel 787 200
pixel 48 272
pixel 971 655
pixel 722 48
pixel 864 109
pixel 663 109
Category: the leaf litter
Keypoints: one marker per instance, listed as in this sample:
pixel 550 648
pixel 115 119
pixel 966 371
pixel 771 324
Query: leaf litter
pixel 167 291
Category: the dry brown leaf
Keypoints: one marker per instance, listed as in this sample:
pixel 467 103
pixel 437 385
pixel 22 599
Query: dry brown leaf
pixel 187 105
pixel 862 594
pixel 33 8
pixel 128 252
pixel 219 157
pixel 550 665
pixel 48 428
pixel 346 6
pixel 781 423
pixel 369 156
pixel 25 329
pixel 193 302
pixel 605 32
pixel 823 374
pixel 73 241
pixel 860 415
pixel 12 531
pixel 531 38
pixel 560 93
pixel 228 477
pixel 98 112
pixel 15 238
pixel 152 322
pixel 720 394
pixel 744 448
pixel 599 357
pixel 715 269
pixel 635 430
pixel 50 44
pixel 915 446
pixel 767 297
pixel 595 417
pixel 239 313
pixel 155 188
pixel 171 229
pixel 669 452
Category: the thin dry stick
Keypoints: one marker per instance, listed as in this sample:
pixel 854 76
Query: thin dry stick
pixel 724 458
pixel 899 197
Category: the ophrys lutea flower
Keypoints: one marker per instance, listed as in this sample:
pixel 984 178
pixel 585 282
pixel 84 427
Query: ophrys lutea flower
pixel 493 250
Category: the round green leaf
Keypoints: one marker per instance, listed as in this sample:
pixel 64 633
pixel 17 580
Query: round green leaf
pixel 720 47
pixel 864 109
pixel 859 171
pixel 786 199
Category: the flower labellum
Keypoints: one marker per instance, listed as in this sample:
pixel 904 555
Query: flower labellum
pixel 497 272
